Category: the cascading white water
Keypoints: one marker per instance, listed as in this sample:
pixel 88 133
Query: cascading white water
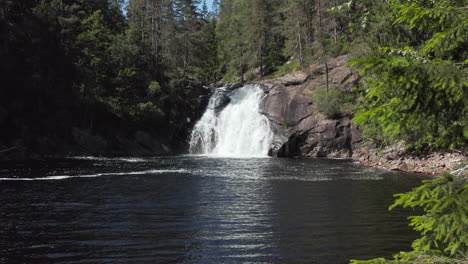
pixel 238 130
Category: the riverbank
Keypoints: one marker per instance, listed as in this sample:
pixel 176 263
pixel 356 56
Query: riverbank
pixel 397 158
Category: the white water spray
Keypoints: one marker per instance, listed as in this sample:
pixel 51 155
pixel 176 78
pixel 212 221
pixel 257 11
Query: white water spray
pixel 238 130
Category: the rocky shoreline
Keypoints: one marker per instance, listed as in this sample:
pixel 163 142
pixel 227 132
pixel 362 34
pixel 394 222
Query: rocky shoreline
pixel 397 158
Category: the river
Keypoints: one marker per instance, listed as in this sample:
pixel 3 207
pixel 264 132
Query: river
pixel 199 209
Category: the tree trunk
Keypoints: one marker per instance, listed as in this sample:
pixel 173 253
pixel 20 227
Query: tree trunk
pixel 326 76
pixel 301 58
pixel 241 64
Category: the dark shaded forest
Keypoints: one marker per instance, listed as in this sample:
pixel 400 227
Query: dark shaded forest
pixel 113 67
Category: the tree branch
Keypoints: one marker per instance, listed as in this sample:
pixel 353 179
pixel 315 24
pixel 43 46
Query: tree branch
pixel 460 8
pixel 6 150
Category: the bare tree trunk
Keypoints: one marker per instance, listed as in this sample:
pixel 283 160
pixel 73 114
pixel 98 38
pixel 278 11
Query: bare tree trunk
pixel 299 35
pixel 241 64
pixel 326 76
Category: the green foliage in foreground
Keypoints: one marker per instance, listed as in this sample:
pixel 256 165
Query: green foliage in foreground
pixel 417 89
pixel 414 101
pixel 444 226
pixel 412 258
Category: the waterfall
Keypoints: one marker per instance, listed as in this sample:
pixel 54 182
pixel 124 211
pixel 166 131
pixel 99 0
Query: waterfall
pixel 238 129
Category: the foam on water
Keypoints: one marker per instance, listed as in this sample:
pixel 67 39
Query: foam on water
pixel 133 160
pixel 62 177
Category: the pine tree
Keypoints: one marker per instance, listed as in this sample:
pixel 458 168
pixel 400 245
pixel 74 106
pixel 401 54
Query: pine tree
pixel 296 29
pixel 216 7
pixel 205 14
pixel 418 93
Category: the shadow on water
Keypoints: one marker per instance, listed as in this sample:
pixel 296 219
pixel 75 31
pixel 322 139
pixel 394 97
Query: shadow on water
pixel 200 210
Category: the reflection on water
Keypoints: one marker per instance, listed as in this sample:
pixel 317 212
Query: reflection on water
pixel 199 210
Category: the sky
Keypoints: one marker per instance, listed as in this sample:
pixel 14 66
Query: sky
pixel 208 3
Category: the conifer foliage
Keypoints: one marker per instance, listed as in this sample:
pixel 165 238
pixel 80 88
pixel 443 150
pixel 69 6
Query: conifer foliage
pixel 417 90
pixel 78 62
pixel 444 227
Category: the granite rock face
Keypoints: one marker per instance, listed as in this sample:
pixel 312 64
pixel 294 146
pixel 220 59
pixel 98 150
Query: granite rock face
pixel 300 130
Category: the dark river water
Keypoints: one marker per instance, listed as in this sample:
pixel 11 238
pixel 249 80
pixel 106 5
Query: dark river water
pixel 200 210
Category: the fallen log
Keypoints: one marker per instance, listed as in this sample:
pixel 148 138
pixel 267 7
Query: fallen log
pixel 7 150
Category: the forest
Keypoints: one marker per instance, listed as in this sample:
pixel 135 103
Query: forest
pixel 104 63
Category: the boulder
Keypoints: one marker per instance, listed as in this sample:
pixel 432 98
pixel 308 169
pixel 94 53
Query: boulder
pixel 286 106
pixel 294 78
pixel 338 61
pixel 340 75
pixel 400 166
pixel 351 82
pixel 316 69
pixel 232 86
pixel 266 87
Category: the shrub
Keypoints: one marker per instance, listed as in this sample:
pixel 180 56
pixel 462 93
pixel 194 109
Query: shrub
pixel 335 103
pixel 154 89
pixel 286 68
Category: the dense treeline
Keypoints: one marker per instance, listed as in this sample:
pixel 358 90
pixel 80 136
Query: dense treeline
pixel 413 54
pixel 95 64
pixel 258 36
pixel 94 60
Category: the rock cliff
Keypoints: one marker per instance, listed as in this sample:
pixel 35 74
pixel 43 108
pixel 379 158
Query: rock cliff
pixel 299 128
pixel 303 131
